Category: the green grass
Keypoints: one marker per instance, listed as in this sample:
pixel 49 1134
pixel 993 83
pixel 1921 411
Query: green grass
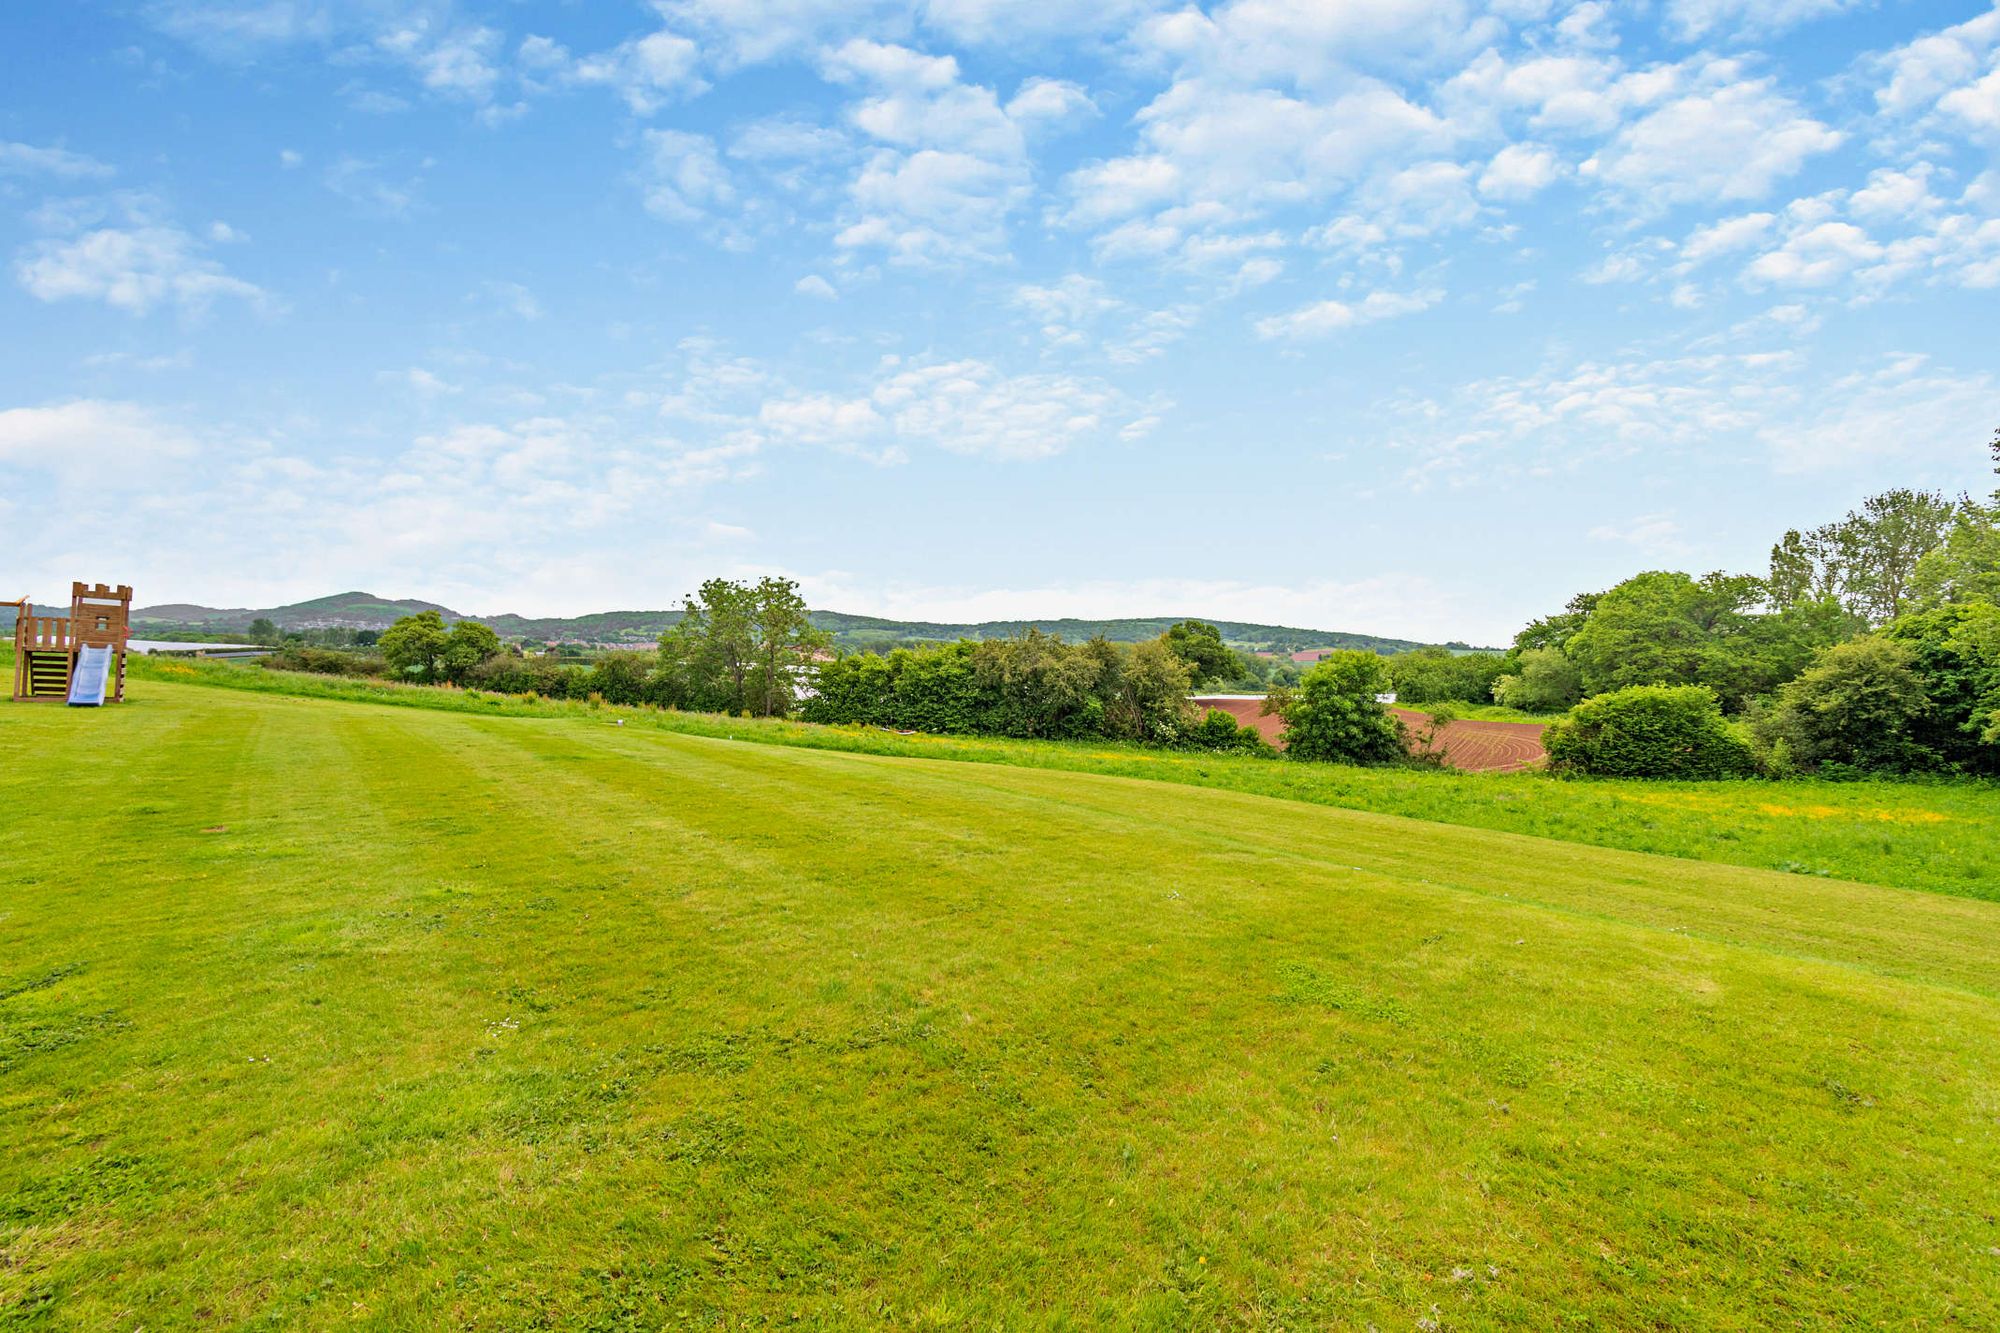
pixel 1940 836
pixel 314 1014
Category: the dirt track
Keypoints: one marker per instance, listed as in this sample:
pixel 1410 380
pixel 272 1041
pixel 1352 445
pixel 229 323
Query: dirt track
pixel 1476 747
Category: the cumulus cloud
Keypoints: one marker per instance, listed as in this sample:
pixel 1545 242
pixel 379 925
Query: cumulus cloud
pixel 1333 316
pixel 647 73
pixel 133 268
pixel 1733 142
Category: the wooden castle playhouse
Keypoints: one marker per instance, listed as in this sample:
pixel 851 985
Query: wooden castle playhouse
pixel 79 658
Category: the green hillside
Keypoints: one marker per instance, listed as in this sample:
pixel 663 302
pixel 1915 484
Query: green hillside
pixel 316 1013
pixel 360 610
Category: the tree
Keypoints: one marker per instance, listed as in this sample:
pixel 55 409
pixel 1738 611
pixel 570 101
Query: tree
pixel 1956 649
pixel 1966 567
pixel 738 648
pixel 1668 628
pixel 1150 700
pixel 1199 646
pixel 1868 559
pixel 416 643
pixel 1648 731
pixel 1335 714
pixel 1544 681
pixel 783 644
pixel 467 645
pixel 1438 675
pixel 263 630
pixel 1860 704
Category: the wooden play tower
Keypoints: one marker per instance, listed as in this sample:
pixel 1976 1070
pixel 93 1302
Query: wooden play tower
pixel 46 647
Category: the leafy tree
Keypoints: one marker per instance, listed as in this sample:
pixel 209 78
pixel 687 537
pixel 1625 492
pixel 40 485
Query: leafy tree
pixel 1199 645
pixel 1437 675
pixel 1868 559
pixel 467 645
pixel 621 678
pixel 738 647
pixel 1557 630
pixel 1648 731
pixel 1668 628
pixel 783 644
pixel 1861 704
pixel 1956 649
pixel 1149 700
pixel 1034 684
pixel 263 630
pixel 416 643
pixel 1966 567
pixel 1544 681
pixel 1334 714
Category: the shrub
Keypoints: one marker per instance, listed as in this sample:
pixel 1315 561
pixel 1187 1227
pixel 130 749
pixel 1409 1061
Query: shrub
pixel 1217 730
pixel 1649 731
pixel 324 662
pixel 1334 714
pixel 1859 705
pixel 527 675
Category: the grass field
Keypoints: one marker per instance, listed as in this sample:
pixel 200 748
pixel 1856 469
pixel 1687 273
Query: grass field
pixel 316 1014
pixel 1941 836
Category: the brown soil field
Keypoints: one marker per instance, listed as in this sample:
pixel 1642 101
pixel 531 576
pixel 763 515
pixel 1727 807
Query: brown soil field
pixel 1476 747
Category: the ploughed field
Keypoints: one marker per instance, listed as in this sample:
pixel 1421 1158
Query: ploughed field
pixel 319 1014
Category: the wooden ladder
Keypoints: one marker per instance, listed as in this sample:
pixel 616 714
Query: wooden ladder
pixel 47 674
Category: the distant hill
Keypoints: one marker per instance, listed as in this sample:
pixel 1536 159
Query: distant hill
pixel 362 610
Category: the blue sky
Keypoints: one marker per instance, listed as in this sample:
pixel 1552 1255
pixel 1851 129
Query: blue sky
pixel 1406 316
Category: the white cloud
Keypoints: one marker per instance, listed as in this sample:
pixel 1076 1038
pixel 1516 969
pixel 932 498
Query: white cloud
pixel 813 285
pixel 1325 317
pixel 1050 102
pixel 646 72
pixel 1655 535
pixel 130 268
pixel 365 185
pixel 1693 20
pixel 1921 75
pixel 964 407
pixel 1519 171
pixel 1726 237
pixel 90 442
pixel 1732 142
pixel 20 159
pixel 683 178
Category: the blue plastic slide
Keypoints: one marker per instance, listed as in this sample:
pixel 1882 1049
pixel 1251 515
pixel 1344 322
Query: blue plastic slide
pixel 86 683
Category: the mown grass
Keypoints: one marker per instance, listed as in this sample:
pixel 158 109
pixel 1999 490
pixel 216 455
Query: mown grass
pixel 315 1014
pixel 1939 836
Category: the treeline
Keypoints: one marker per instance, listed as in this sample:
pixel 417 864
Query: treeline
pixel 1871 646
pixel 1036 685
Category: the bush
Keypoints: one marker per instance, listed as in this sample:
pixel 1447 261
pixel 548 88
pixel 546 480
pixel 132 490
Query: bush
pixel 1334 714
pixel 527 675
pixel 1219 731
pixel 324 662
pixel 1649 731
pixel 1859 706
